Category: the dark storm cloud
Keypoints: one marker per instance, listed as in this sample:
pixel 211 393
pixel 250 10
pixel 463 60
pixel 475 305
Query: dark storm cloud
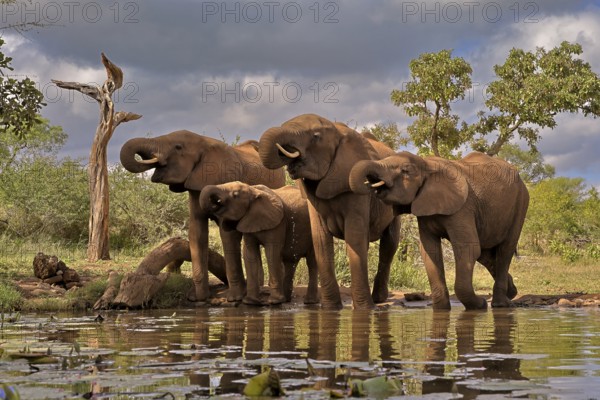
pixel 198 64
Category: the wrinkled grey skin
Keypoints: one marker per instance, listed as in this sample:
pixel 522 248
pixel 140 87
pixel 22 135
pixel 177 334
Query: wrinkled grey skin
pixel 477 203
pixel 320 154
pixel 275 219
pixel 188 162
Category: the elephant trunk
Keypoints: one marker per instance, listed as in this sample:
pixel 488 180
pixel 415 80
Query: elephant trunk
pixel 211 199
pixel 143 147
pixel 368 175
pixel 275 148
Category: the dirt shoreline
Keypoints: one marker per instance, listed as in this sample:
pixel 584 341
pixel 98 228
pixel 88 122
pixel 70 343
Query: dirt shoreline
pixel 33 288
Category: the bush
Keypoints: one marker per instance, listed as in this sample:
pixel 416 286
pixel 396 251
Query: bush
pixel 10 298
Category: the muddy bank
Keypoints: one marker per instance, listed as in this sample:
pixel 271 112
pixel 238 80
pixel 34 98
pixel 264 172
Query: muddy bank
pixel 34 288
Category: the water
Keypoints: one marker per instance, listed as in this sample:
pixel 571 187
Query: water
pixel 197 353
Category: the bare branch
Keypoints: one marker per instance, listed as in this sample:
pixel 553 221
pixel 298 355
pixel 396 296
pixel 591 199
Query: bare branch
pixel 89 90
pixel 114 73
pixel 122 116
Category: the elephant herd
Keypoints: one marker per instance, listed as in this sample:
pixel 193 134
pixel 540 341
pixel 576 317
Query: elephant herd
pixel 348 186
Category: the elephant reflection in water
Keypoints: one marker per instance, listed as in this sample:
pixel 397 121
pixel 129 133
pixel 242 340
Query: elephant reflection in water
pixel 468 327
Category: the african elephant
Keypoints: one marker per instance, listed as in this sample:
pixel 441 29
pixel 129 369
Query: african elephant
pixel 188 162
pixel 478 203
pixel 320 154
pixel 276 219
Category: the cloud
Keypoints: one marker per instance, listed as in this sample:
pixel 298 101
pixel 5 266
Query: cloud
pixel 221 68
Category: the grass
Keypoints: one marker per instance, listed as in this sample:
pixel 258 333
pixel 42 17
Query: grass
pixel 532 275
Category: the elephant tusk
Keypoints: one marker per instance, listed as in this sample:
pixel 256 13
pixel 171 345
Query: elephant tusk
pixel 378 184
pixel 286 153
pixel 153 160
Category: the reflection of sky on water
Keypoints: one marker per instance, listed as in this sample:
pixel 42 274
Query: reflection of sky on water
pixel 534 352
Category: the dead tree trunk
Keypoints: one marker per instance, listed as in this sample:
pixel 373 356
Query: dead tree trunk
pixel 138 288
pixel 98 243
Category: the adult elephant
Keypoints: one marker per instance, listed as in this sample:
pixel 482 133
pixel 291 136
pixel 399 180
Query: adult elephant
pixel 478 203
pixel 188 162
pixel 320 154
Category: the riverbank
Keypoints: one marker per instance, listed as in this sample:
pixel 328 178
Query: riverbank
pixel 540 280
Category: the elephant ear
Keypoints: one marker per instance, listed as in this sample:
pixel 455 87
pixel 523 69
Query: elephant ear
pixel 444 190
pixel 265 211
pixel 217 165
pixel 351 149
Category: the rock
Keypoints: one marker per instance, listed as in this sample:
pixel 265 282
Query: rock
pixel 418 296
pixel 54 279
pixel 54 271
pixel 566 303
pixel 44 266
pixel 70 275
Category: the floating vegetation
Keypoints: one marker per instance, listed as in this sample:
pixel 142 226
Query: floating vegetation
pixel 304 353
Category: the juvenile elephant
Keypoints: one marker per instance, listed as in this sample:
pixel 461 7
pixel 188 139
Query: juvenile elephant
pixel 320 154
pixel 478 203
pixel 188 162
pixel 276 219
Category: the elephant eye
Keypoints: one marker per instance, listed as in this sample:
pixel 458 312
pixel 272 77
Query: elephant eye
pixel 178 146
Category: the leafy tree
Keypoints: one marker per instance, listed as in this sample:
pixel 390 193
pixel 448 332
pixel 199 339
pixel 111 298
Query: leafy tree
pixel 41 138
pixel 531 89
pixel 43 198
pixel 143 212
pixel 437 79
pixel 20 100
pixel 530 164
pixel 387 133
pixel 561 212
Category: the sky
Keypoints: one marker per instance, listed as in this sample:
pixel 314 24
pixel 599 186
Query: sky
pixel 224 69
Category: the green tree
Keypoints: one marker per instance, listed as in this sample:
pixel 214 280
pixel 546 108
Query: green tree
pixel 530 90
pixel 530 164
pixel 555 212
pixel 41 138
pixel 437 79
pixel 387 133
pixel 20 100
pixel 45 199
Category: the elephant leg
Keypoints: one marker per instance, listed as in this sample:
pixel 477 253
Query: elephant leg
pixel 198 238
pixel 289 271
pixel 488 260
pixel 253 264
pixel 233 264
pixel 323 248
pixel 388 245
pixel 312 292
pixel 357 247
pixel 504 287
pixel 431 253
pixel 276 273
pixel 467 249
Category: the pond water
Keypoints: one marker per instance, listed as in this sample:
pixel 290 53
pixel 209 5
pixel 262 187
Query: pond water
pixel 207 352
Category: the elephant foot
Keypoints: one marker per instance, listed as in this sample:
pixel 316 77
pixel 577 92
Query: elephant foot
pixel 365 305
pixel 502 302
pixel 252 301
pixel 235 293
pixel 381 295
pixel 275 300
pixel 311 299
pixel 198 294
pixel 479 303
pixel 512 289
pixel 441 304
